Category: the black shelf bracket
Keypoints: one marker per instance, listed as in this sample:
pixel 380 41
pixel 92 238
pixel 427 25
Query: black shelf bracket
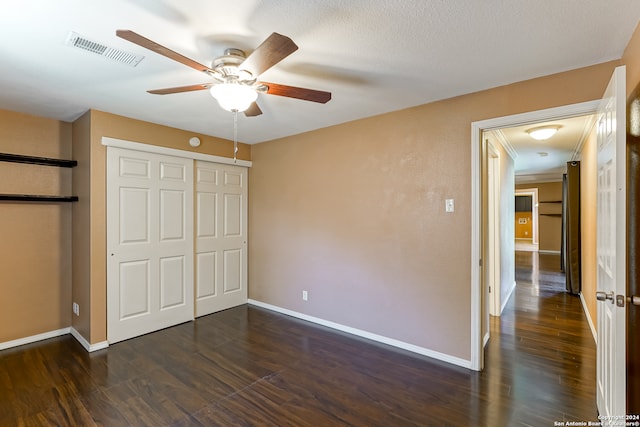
pixel 46 161
pixel 32 160
pixel 37 198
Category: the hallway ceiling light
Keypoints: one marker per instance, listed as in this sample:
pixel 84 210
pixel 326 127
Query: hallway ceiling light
pixel 543 132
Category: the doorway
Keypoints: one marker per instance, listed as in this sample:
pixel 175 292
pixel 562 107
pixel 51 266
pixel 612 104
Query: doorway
pixel 526 220
pixel 480 252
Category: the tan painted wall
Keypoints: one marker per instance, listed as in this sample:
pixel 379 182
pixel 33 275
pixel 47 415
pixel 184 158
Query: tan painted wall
pixel 104 124
pixel 549 219
pixel 35 245
pixel 631 58
pixel 588 181
pixel 355 213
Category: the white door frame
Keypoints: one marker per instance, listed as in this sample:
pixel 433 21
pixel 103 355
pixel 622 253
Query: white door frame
pixel 130 145
pixel 567 111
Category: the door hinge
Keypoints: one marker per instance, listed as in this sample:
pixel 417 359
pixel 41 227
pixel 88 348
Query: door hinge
pixel 480 262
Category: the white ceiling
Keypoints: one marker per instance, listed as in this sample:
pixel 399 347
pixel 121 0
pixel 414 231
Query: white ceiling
pixel 546 161
pixel 375 56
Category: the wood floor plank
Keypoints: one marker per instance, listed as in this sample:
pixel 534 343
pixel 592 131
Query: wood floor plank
pixel 250 366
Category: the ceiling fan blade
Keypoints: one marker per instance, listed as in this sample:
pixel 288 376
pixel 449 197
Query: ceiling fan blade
pixel 179 89
pixel 273 50
pixel 253 110
pixel 297 92
pixel 159 49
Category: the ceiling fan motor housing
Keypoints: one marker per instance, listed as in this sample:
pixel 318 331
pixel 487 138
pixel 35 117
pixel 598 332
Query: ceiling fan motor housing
pixel 228 67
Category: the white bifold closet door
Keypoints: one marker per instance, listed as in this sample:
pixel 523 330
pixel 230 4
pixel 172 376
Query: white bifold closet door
pixel 221 237
pixel 149 242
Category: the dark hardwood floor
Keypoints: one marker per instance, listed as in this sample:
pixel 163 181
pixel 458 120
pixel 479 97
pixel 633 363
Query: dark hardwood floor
pixel 249 366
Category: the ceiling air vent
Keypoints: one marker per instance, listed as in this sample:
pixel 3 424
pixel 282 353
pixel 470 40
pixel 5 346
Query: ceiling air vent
pixel 117 55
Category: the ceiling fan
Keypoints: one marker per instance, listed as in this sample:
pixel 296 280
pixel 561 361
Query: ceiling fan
pixel 235 75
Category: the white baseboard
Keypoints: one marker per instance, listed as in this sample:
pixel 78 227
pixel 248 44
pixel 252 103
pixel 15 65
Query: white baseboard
pixel 594 331
pixel 485 340
pixel 34 338
pixel 549 252
pixel 53 334
pixel 364 334
pixel 88 346
pixel 526 247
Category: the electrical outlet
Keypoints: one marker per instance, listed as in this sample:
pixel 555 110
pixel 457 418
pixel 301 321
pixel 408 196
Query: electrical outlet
pixel 305 295
pixel 76 309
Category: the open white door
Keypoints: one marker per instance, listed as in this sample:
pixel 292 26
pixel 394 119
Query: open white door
pixel 149 242
pixel 611 255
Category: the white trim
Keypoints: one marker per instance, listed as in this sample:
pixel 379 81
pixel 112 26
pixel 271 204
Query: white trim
pixel 148 148
pixel 548 252
pixel 34 338
pixel 566 111
pixel 486 339
pixel 526 247
pixel 359 332
pixel 538 178
pixel 506 300
pixel 577 152
pixel 594 331
pixel 477 351
pixel 87 346
pixel 563 112
pixel 505 144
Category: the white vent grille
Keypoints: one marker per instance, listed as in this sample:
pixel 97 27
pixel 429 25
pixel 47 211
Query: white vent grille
pixel 117 55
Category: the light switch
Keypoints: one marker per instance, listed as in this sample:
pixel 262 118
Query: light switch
pixel 449 206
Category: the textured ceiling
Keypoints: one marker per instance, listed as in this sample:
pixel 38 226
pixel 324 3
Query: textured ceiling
pixel 375 56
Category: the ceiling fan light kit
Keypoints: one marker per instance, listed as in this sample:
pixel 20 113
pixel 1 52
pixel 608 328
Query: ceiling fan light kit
pixel 234 97
pixel 542 133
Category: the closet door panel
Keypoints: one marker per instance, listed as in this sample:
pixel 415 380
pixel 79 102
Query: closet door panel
pixel 149 242
pixel 221 240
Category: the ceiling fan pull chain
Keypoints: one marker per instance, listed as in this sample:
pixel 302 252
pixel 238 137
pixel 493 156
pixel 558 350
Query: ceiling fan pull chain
pixel 235 136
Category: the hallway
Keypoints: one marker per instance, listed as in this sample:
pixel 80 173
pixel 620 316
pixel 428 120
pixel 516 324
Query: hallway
pixel 542 351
